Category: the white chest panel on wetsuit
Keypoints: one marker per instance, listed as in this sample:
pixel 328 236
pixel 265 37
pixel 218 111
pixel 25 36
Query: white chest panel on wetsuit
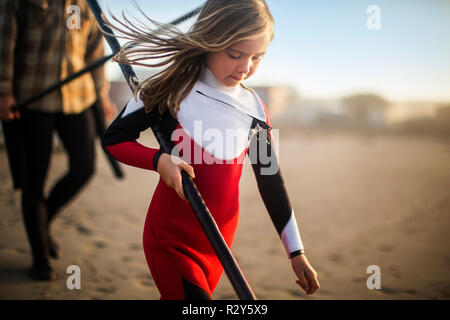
pixel 209 116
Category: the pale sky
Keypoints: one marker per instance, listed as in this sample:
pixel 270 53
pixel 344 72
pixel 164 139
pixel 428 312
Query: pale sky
pixel 324 48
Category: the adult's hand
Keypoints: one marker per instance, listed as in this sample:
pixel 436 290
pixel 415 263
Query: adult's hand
pixel 108 106
pixel 6 114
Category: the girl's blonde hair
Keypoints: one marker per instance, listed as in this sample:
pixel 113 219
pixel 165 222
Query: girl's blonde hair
pixel 220 24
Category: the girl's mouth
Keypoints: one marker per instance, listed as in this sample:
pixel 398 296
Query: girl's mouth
pixel 237 79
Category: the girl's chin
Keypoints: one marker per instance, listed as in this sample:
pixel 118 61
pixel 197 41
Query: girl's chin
pixel 232 82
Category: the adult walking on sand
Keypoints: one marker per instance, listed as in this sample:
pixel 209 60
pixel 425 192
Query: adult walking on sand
pixel 42 42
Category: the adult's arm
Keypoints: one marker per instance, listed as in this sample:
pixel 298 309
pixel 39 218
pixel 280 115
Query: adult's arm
pixel 8 36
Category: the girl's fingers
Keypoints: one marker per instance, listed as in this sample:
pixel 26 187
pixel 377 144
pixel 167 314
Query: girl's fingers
pixel 178 186
pixel 184 166
pixel 312 282
pixel 189 169
pixel 302 282
pixel 179 190
pixel 315 285
pixel 311 287
pixel 175 179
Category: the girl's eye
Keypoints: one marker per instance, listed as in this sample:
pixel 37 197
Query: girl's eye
pixel 233 57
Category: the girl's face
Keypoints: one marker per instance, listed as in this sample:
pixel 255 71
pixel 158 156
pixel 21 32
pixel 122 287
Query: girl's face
pixel 238 62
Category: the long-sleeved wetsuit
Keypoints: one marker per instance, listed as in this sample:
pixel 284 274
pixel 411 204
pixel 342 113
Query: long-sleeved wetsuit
pixel 212 132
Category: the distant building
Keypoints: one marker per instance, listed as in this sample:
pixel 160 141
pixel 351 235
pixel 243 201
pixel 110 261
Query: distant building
pixel 311 112
pixel 366 110
pixel 276 99
pixel 411 110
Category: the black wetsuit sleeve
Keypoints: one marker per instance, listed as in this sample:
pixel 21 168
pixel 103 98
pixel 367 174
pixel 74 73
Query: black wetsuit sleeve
pixel 272 189
pixel 120 137
pixel 128 127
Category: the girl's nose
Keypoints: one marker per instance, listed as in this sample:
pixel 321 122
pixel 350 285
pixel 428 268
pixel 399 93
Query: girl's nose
pixel 244 67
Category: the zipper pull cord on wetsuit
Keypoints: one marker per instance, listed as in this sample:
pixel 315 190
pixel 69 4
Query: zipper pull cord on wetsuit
pixel 261 123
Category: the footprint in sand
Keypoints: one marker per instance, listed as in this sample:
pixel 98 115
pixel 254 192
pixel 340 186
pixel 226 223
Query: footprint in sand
pixel 389 290
pixel 145 281
pixel 335 257
pixel 126 259
pixel 107 289
pixel 67 221
pixel 99 244
pixel 135 246
pixel 411 291
pixel 295 293
pixel 146 284
pixel 385 247
pixel 13 201
pixel 83 230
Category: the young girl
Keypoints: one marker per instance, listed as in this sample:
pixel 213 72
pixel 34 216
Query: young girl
pixel 201 89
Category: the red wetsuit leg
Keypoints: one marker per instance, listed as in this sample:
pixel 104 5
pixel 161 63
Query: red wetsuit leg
pixel 175 272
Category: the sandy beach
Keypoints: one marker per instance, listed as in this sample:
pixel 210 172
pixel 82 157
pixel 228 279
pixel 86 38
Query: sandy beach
pixel 359 201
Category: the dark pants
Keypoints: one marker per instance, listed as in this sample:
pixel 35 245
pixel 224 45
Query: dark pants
pixel 77 135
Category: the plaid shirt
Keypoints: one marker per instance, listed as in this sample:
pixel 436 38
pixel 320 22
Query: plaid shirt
pixel 37 49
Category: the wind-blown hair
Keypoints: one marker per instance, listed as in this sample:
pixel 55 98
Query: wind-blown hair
pixel 220 24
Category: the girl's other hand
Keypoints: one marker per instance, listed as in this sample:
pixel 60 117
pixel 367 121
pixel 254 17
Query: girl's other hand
pixel 307 276
pixel 169 167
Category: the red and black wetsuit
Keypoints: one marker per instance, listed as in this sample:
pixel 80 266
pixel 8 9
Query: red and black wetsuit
pixel 181 260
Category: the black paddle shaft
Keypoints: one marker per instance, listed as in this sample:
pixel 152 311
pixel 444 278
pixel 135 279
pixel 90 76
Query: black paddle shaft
pixel 202 213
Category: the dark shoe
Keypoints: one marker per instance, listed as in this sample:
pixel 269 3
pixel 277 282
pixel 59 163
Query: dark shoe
pixel 42 272
pixel 55 251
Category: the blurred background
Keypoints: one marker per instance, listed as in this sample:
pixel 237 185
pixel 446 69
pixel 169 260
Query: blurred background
pixel 327 67
pixel 361 96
